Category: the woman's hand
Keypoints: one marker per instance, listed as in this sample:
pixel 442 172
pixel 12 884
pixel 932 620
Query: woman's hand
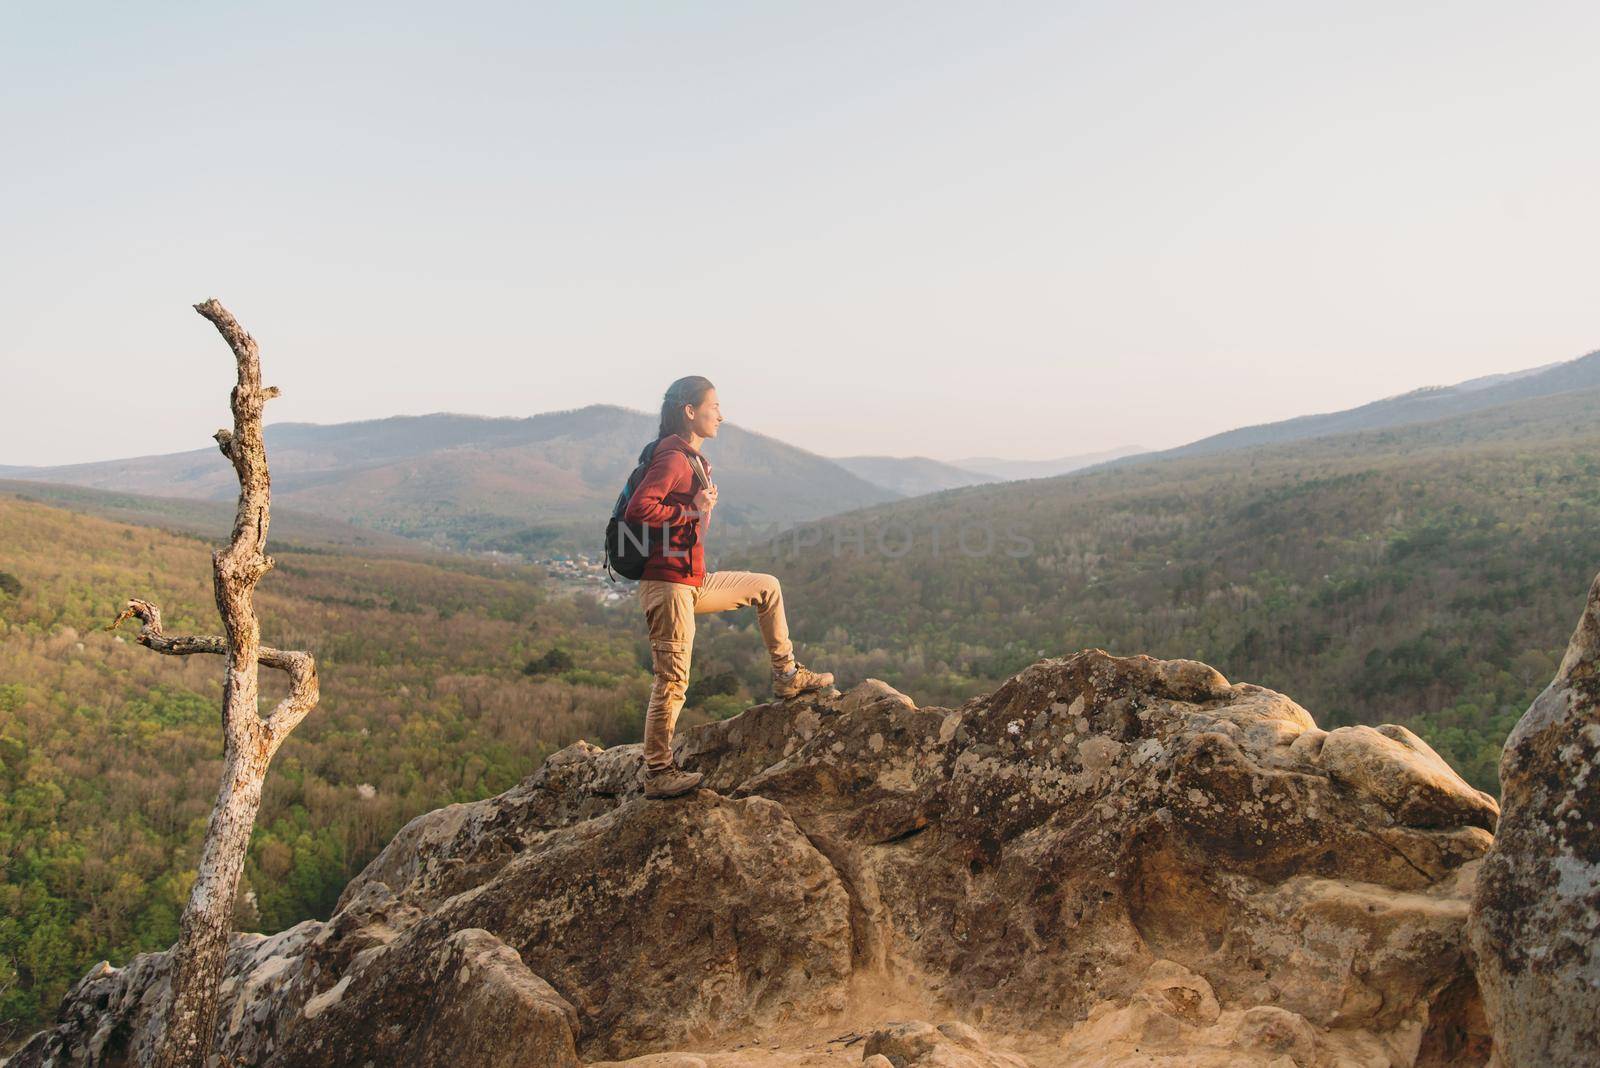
pixel 705 500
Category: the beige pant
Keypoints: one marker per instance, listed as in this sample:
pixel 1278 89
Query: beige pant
pixel 669 611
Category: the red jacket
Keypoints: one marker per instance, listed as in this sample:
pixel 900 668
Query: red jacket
pixel 664 501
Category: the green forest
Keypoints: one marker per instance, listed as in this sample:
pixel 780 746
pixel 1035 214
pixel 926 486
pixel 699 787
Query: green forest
pixel 442 681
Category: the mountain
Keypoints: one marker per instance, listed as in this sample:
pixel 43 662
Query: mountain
pixel 1414 574
pixel 1419 406
pixel 910 476
pixel 540 483
pixel 1001 470
pixel 462 481
pixel 1106 861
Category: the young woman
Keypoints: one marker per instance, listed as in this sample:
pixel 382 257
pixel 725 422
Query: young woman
pixel 675 499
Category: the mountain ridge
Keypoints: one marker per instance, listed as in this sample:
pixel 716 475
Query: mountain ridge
pixel 1427 404
pixel 519 484
pixel 911 476
pixel 534 484
pixel 1004 470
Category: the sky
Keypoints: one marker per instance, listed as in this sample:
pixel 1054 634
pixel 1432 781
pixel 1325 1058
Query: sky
pixel 1025 230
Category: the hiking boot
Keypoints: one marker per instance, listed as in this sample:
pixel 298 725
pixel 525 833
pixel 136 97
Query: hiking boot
pixel 800 680
pixel 669 782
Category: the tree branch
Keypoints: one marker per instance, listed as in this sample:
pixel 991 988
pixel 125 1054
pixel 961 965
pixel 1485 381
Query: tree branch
pixel 245 560
pixel 304 688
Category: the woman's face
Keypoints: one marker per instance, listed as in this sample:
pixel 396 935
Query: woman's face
pixel 705 417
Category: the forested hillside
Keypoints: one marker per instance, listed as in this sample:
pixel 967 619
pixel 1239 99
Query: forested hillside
pixel 213 519
pixel 1427 575
pixel 442 680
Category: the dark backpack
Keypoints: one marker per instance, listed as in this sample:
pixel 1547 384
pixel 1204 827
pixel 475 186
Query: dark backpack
pixel 627 544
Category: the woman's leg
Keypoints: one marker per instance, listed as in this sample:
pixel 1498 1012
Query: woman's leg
pixel 669 613
pixel 723 590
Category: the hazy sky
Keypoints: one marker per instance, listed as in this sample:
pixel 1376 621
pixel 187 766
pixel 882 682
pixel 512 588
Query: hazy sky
pixel 1016 229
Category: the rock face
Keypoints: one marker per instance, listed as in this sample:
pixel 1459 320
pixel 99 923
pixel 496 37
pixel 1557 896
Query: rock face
pixel 1103 859
pixel 1535 927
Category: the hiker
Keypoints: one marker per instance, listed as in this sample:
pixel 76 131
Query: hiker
pixel 675 498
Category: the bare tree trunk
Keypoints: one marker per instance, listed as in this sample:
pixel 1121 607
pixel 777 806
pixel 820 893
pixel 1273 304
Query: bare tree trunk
pixel 249 740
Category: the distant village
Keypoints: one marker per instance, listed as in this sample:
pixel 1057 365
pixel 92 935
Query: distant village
pixel 584 573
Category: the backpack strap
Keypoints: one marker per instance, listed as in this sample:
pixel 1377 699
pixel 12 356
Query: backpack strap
pixel 645 456
pixel 700 471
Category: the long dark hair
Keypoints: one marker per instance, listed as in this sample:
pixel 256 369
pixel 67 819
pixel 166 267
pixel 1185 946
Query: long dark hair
pixel 689 390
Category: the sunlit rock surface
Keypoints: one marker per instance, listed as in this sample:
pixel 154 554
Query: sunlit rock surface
pixel 1107 861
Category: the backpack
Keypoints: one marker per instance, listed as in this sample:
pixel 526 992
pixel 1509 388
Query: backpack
pixel 627 544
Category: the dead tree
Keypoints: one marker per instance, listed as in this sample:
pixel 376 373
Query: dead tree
pixel 249 739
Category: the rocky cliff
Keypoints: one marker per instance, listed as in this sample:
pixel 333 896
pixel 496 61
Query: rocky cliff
pixel 1535 927
pixel 1107 861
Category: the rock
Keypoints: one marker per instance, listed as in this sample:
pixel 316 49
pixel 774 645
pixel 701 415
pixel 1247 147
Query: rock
pixel 663 922
pixel 1173 1019
pixel 871 692
pixel 1063 866
pixel 1404 772
pixel 459 846
pixel 1276 1031
pixel 904 1044
pixel 1187 996
pixel 1535 925
pixel 919 1044
pixel 1106 855
pixel 467 999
